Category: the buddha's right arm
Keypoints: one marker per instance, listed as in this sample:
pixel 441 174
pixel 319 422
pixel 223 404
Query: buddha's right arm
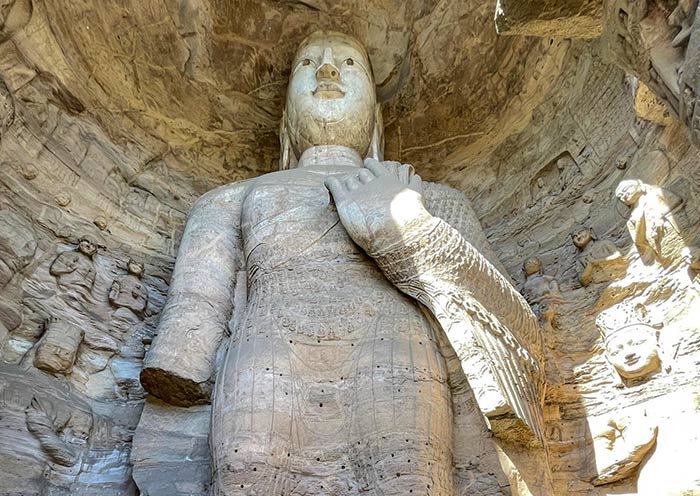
pixel 180 365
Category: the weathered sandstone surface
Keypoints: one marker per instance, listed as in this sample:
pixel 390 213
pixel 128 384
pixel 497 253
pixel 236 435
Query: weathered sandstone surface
pixel 116 116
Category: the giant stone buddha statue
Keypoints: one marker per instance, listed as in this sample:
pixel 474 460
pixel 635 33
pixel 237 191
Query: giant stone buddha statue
pixel 334 294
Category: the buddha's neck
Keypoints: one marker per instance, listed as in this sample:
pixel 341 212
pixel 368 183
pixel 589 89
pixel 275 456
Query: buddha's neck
pixel 330 155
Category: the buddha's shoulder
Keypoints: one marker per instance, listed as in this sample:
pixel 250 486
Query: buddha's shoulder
pixel 437 193
pixel 237 191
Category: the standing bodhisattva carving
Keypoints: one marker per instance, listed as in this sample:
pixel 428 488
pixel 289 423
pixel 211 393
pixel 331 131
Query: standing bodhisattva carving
pixel 334 382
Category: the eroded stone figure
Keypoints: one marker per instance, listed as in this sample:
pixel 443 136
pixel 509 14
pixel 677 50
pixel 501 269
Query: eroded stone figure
pixel 621 445
pixel 41 422
pixel 682 18
pixel 598 260
pixel 335 381
pixel 58 347
pixel 691 256
pixel 75 269
pixel 17 245
pixel 651 224
pixel 541 292
pixel 128 291
pixel 17 249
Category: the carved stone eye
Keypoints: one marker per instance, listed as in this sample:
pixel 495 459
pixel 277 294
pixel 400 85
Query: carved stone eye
pixel 349 61
pixel 306 62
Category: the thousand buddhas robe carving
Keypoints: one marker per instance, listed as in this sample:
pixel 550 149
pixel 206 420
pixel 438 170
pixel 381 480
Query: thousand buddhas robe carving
pixel 335 297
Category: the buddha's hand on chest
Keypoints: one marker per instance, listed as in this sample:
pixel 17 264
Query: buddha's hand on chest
pixel 381 207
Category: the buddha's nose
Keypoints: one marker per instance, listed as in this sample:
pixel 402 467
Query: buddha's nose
pixel 327 71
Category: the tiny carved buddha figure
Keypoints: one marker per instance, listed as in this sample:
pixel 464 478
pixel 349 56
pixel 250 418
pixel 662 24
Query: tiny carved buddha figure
pixel 128 291
pixel 541 291
pixel 75 269
pixel 334 380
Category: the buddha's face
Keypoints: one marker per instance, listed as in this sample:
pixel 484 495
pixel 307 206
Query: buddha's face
pixel 629 191
pixel 581 238
pixel 532 266
pixel 633 351
pixel 134 268
pixel 87 247
pixel 331 95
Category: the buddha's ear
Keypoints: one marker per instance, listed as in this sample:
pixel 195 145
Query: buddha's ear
pixel 376 146
pixel 287 158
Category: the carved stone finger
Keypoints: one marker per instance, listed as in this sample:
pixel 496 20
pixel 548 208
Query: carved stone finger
pixel 393 167
pixel 351 183
pixel 416 183
pixel 405 172
pixel 376 168
pixel 335 187
pixel 365 176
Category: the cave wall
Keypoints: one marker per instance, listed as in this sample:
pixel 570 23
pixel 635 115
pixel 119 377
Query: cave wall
pixel 117 116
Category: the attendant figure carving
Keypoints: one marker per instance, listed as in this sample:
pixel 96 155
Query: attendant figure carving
pixel 128 291
pixel 17 245
pixel 541 292
pixel 75 269
pixel 333 366
pixel 598 260
pixel 651 224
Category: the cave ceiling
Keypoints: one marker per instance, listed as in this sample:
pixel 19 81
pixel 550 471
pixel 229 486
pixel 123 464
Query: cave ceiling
pixel 200 84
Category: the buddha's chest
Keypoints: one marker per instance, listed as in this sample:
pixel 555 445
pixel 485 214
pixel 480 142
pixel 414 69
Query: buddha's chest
pixel 294 224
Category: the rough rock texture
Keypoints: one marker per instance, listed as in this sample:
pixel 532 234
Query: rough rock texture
pixel 116 116
pixel 558 19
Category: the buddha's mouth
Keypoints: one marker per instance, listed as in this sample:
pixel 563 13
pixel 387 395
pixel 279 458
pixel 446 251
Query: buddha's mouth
pixel 328 90
pixel 632 360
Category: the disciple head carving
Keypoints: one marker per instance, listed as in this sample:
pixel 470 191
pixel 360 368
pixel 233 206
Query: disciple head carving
pixel 135 268
pixel 582 236
pixel 532 266
pixel 331 99
pixel 87 247
pixel 629 191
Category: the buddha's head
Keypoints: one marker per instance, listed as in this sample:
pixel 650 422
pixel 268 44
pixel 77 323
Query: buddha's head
pixel 331 99
pixel 532 266
pixel 87 247
pixel 629 191
pixel 633 350
pixel 581 237
pixel 134 267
